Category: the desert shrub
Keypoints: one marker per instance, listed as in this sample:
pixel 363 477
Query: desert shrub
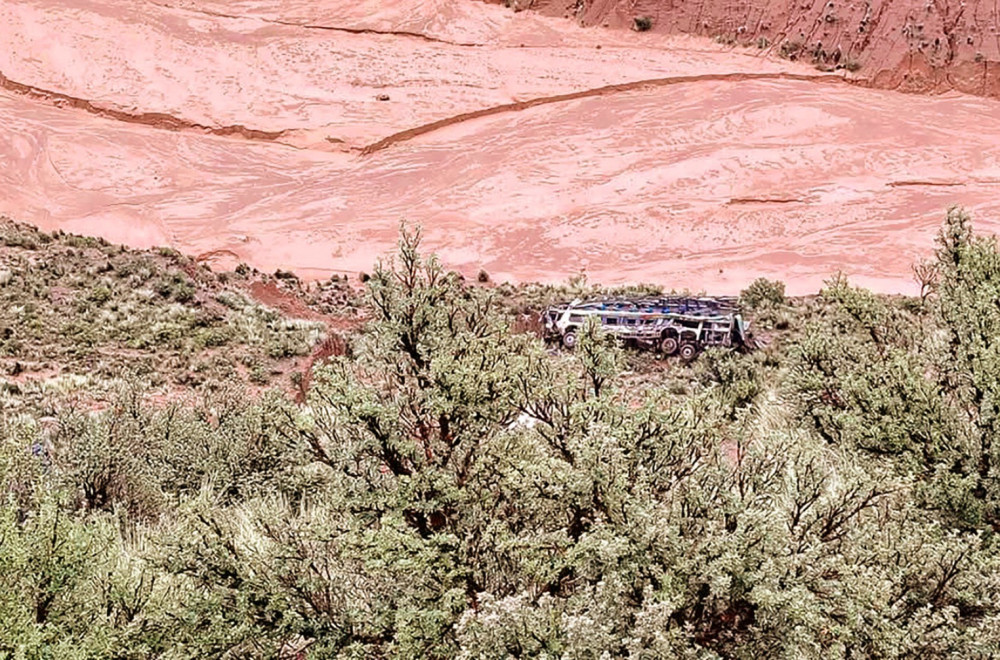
pixel 175 286
pixel 738 379
pixel 763 293
pixel 876 377
pixel 49 561
pixel 642 23
pixel 183 292
pixel 928 276
pixel 99 295
pixel 231 300
pixel 83 242
pixel 451 489
pixel 790 50
pixel 281 345
pixel 164 288
pixel 20 240
pixel 259 375
pixel 215 336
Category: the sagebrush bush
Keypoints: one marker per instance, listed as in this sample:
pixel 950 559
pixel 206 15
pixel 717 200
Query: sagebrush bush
pixel 763 292
pixel 450 489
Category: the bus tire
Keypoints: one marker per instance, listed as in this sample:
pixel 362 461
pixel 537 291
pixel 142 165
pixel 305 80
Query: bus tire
pixel 688 351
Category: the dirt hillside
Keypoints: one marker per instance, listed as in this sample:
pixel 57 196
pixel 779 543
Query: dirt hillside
pixel 909 45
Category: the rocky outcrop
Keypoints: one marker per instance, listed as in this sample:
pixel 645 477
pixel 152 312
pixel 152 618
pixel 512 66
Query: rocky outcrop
pixel 909 45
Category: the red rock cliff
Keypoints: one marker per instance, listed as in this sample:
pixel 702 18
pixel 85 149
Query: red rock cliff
pixel 910 45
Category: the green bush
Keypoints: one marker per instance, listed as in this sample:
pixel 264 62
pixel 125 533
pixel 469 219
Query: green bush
pixel 259 375
pixel 763 293
pixel 183 292
pixel 452 489
pixel 99 295
pixel 176 287
pixel 215 336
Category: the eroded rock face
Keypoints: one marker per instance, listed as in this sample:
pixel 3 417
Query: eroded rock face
pixel 908 45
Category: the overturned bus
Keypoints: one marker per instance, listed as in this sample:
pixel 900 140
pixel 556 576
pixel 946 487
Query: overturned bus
pixel 681 325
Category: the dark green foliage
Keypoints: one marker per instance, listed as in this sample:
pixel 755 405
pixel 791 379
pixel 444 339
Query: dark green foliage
pixel 137 458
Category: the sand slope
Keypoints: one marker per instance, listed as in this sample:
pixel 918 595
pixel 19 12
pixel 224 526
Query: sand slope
pixel 512 139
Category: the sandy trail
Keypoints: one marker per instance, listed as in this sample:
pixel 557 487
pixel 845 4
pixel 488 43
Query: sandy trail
pixel 539 162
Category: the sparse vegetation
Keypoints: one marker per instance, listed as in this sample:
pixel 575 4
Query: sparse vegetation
pixel 76 305
pixel 642 23
pixel 790 50
pixel 927 275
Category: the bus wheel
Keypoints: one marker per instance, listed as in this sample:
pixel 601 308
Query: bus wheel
pixel 688 352
pixel 569 340
pixel 669 345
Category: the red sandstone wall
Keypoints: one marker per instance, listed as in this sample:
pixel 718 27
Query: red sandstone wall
pixel 910 45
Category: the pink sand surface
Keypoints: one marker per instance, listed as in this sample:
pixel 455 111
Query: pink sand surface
pixel 517 144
